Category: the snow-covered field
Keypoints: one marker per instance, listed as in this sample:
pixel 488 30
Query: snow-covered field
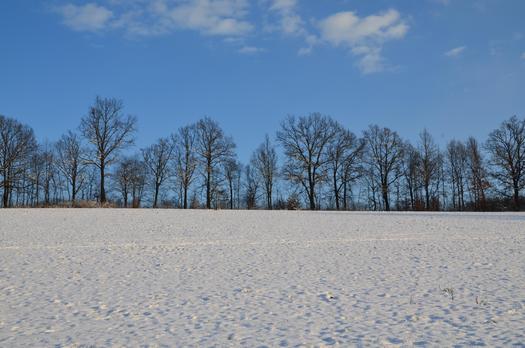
pixel 222 278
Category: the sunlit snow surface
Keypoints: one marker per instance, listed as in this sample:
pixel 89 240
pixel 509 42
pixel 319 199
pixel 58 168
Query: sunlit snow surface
pixel 253 278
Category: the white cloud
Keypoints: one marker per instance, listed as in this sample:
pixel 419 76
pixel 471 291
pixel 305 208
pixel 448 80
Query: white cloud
pixel 346 28
pixel 250 50
pixel 219 17
pixel 144 18
pixel 523 56
pixel 371 60
pixel 292 24
pixel 289 22
pixel 364 36
pixel 455 52
pixel 305 51
pixel 89 17
pixel 283 5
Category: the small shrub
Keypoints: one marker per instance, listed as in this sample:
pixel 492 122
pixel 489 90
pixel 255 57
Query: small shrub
pixel 293 202
pixel 449 292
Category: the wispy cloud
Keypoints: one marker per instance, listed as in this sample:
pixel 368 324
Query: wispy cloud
pixel 225 18
pixel 283 5
pixel 145 18
pixel 364 36
pixel 523 56
pixel 89 17
pixel 289 22
pixel 250 50
pixel 455 52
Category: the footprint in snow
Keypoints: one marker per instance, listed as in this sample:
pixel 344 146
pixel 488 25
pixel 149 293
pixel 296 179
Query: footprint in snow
pixel 327 297
pixel 329 341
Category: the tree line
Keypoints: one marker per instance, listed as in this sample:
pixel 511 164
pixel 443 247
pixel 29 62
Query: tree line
pixel 312 162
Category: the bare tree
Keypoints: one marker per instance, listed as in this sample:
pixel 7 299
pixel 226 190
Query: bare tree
pixel 477 174
pixel 48 171
pixel 305 140
pixel 372 188
pixel 108 130
pixel 264 162
pixel 89 190
pixel 130 177
pixel 231 171
pixel 411 165
pixel 123 177
pixel 17 143
pixel 35 170
pixel 238 184
pixel 138 182
pixel 385 154
pixel 458 164
pixel 353 169
pixel 344 154
pixel 507 148
pixel 69 162
pixel 186 160
pixel 157 157
pixel 251 187
pixel 213 148
pixel 429 156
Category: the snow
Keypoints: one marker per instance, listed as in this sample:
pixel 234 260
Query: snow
pixel 255 278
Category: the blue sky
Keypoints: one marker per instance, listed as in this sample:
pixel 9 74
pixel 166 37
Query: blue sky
pixel 456 67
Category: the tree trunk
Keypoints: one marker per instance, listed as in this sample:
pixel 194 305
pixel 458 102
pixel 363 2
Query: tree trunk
pixel 269 198
pixel 208 191
pixel 156 197
pixel 37 194
pixel 73 191
pixel 102 177
pixel 311 196
pixel 345 195
pixel 336 191
pixel 231 196
pixel 516 198
pixel 427 197
pixel 6 193
pixel 312 201
pixel 384 191
pixel 412 203
pixel 208 184
pixel 126 198
pixel 185 203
